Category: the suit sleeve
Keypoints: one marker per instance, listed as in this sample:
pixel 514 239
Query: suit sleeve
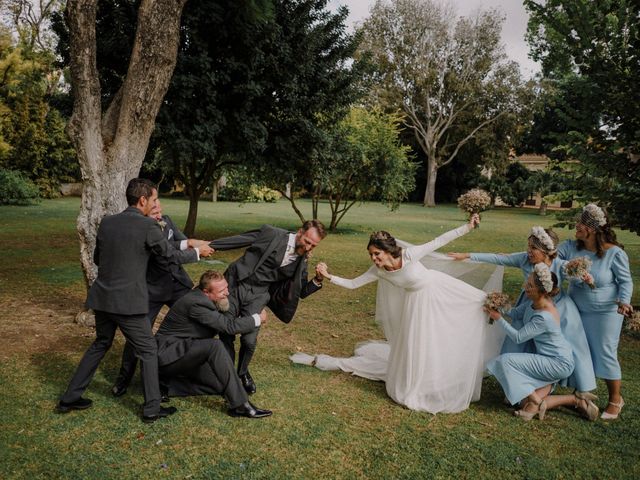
pixel 221 322
pixel 237 241
pixel 308 286
pixel 160 246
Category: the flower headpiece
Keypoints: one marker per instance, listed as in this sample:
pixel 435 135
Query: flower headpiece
pixel 543 240
pixel 593 216
pixel 543 274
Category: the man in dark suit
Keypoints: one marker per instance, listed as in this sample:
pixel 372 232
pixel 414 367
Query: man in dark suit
pixel 119 295
pixel 191 361
pixel 272 272
pixel 167 282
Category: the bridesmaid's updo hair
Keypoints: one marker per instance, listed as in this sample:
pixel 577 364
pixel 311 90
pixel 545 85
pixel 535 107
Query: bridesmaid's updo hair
pixel 385 242
pixel 539 280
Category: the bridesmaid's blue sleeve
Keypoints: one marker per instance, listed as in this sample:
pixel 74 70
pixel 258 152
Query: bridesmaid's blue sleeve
pixel 517 313
pixel 517 260
pixel 534 327
pixel 565 250
pixel 622 275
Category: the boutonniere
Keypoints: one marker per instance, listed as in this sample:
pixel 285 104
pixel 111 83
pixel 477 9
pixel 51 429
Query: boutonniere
pixel 162 224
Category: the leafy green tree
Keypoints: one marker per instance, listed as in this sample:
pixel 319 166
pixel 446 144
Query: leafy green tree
pixel 365 161
pixel 449 75
pixel 589 51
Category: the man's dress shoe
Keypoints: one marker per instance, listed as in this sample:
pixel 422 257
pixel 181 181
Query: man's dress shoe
pixel 249 410
pixel 118 390
pixel 163 412
pixel 248 383
pixel 80 404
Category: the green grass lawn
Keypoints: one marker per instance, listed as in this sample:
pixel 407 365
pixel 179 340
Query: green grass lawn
pixel 325 424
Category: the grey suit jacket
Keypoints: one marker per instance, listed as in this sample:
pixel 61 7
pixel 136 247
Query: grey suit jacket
pixel 124 243
pixel 262 243
pixel 162 271
pixel 191 317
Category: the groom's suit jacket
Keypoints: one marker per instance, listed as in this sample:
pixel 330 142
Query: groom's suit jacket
pixel 124 244
pixel 163 272
pixel 259 270
pixel 192 317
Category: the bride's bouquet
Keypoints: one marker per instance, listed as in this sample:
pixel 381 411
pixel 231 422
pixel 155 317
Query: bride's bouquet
pixel 578 269
pixel 474 201
pixel 497 301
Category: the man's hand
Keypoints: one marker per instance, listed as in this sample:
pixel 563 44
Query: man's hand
pixel 205 250
pixel 263 317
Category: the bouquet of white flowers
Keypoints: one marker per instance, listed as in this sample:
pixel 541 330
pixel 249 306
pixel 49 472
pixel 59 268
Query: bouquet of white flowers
pixel 578 269
pixel 497 301
pixel 474 201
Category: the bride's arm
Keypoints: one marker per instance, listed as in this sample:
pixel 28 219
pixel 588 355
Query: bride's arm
pixel 367 277
pixel 419 251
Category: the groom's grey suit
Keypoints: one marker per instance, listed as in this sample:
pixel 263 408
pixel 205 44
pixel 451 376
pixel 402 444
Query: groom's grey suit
pixel 257 279
pixel 119 298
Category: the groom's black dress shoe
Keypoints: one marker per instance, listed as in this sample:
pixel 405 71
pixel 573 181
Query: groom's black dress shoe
pixel 80 404
pixel 249 410
pixel 248 383
pixel 163 412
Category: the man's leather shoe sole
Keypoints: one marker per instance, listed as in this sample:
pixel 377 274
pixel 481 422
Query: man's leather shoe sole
pixel 164 412
pixel 80 404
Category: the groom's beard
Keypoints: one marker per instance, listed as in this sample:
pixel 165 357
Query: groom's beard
pixel 222 305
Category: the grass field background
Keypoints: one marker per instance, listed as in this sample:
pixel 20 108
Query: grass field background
pixel 325 424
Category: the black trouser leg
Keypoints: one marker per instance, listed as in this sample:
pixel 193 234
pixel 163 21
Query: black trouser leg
pixel 137 331
pixel 207 363
pixel 105 331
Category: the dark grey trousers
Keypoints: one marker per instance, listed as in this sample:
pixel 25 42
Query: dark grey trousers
pixel 207 363
pixel 137 331
pixel 249 300
pixel 129 360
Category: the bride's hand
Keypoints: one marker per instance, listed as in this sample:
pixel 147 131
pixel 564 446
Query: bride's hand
pixel 458 256
pixel 474 220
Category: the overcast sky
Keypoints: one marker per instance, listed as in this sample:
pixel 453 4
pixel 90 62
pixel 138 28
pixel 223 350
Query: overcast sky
pixel 513 29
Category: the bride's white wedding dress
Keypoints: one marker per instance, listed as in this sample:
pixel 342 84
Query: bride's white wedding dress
pixel 438 337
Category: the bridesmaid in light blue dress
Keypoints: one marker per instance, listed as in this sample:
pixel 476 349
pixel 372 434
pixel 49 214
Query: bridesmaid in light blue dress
pixel 602 308
pixel 531 375
pixel 542 248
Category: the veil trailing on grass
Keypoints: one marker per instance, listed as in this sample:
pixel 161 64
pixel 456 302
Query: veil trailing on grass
pixel 370 358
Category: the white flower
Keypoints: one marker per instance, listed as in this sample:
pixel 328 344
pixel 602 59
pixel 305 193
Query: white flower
pixel 544 275
pixel 595 212
pixel 544 238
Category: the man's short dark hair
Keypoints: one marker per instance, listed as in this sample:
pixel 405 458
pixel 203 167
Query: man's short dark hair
pixel 317 224
pixel 139 187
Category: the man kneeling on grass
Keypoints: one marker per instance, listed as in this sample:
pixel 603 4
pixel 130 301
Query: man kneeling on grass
pixel 191 360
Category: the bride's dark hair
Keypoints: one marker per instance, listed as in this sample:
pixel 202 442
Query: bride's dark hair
pixel 385 242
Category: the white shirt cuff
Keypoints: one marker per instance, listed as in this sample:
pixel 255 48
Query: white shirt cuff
pixel 184 244
pixel 316 282
pixel 197 252
pixel 256 318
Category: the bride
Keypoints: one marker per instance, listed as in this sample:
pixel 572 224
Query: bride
pixel 436 329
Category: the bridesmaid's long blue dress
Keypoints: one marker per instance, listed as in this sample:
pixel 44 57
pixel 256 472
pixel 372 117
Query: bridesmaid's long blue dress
pixel 599 306
pixel 583 377
pixel 520 374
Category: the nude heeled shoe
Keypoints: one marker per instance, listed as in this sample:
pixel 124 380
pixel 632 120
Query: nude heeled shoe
pixel 589 410
pixel 613 416
pixel 527 416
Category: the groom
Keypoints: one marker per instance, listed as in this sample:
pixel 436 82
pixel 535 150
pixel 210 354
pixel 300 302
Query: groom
pixel 273 273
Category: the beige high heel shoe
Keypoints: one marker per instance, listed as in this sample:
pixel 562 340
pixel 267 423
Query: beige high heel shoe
pixel 585 405
pixel 613 416
pixel 528 416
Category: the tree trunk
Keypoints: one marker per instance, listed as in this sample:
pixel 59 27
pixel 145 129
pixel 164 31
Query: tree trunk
pixel 214 191
pixel 192 216
pixel 111 145
pixel 430 192
pixel 543 207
